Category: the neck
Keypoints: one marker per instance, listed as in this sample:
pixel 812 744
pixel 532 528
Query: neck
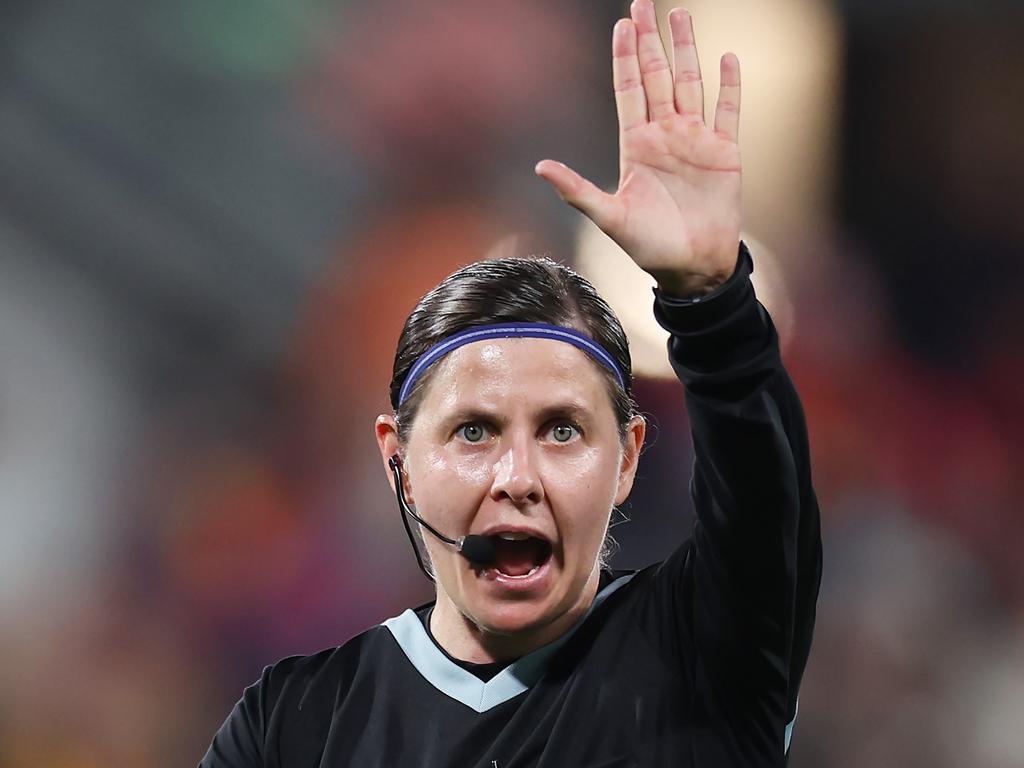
pixel 467 639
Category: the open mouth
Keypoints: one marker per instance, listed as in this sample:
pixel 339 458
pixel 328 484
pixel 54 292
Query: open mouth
pixel 519 555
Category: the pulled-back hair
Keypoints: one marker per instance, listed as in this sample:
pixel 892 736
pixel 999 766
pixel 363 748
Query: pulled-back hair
pixel 536 290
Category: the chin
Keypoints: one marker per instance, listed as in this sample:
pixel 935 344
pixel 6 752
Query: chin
pixel 520 613
pixel 515 618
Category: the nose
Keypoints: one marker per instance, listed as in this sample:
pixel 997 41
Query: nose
pixel 516 477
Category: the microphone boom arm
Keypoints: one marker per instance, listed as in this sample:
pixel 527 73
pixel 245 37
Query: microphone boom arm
pixel 479 550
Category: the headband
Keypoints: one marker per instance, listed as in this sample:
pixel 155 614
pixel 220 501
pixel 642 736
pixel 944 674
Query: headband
pixel 508 331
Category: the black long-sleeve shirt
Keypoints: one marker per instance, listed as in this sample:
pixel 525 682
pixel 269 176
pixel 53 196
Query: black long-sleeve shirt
pixel 695 661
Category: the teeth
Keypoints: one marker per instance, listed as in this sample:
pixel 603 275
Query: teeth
pixel 522 575
pixel 513 536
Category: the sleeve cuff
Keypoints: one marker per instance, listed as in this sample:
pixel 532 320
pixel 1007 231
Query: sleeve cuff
pixel 720 330
pixel 687 311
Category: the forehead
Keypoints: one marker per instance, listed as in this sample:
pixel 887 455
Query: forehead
pixel 517 370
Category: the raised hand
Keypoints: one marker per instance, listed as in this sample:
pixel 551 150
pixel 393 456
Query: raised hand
pixel 677 209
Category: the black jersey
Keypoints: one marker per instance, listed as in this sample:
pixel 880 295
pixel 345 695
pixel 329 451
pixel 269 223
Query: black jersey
pixel 695 661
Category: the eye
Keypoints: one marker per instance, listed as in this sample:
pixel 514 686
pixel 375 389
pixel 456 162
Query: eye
pixel 473 432
pixel 564 432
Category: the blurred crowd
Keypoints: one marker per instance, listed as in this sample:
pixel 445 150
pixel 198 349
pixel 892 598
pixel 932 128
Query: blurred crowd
pixel 214 219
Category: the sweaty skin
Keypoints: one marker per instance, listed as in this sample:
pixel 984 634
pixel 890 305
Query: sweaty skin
pixel 676 213
pixel 517 433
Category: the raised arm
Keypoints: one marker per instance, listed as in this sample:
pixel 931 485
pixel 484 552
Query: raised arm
pixel 737 601
pixel 735 604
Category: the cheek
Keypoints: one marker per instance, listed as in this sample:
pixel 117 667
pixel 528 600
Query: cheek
pixel 471 471
pixel 586 485
pixel 594 468
pixel 448 480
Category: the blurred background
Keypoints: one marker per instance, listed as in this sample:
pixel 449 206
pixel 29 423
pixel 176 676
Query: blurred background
pixel 215 216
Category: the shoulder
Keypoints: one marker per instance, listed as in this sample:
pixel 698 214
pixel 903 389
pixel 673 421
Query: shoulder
pixel 671 573
pixel 656 601
pixel 297 681
pixel 285 711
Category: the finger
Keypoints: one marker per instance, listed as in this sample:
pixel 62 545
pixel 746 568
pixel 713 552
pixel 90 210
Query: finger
pixel 689 88
pixel 630 101
pixel 727 111
pixel 657 75
pixel 581 194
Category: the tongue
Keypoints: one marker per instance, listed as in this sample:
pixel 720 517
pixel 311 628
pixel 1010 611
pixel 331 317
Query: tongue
pixel 517 558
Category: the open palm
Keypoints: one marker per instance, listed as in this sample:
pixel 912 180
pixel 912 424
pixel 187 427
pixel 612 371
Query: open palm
pixel 677 209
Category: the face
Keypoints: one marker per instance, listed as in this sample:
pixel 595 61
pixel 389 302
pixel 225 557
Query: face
pixel 517 440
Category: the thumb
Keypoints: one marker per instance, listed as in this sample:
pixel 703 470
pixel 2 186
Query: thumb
pixel 578 192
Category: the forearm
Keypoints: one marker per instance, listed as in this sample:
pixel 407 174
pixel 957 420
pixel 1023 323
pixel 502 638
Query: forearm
pixel 757 542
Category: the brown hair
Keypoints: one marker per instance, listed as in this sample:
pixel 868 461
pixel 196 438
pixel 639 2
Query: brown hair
pixel 510 290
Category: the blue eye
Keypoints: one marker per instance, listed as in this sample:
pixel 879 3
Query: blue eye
pixel 563 433
pixel 472 432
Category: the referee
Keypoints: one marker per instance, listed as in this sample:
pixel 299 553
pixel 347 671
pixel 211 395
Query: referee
pixel 513 435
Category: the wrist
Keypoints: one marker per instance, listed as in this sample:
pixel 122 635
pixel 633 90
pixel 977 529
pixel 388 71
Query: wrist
pixel 691 285
pixel 699 283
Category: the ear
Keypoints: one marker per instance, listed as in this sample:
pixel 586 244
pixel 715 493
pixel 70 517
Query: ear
pixel 386 431
pixel 635 432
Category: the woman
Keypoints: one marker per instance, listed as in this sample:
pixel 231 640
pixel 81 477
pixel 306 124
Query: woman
pixel 513 436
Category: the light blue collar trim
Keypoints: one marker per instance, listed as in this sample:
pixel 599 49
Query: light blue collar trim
pixel 789 728
pixel 453 681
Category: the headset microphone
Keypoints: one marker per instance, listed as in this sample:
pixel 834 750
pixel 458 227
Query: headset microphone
pixel 479 550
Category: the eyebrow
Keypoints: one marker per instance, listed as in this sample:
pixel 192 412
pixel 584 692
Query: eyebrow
pixel 573 411
pixel 569 410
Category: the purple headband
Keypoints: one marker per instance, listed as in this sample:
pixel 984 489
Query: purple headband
pixel 508 331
